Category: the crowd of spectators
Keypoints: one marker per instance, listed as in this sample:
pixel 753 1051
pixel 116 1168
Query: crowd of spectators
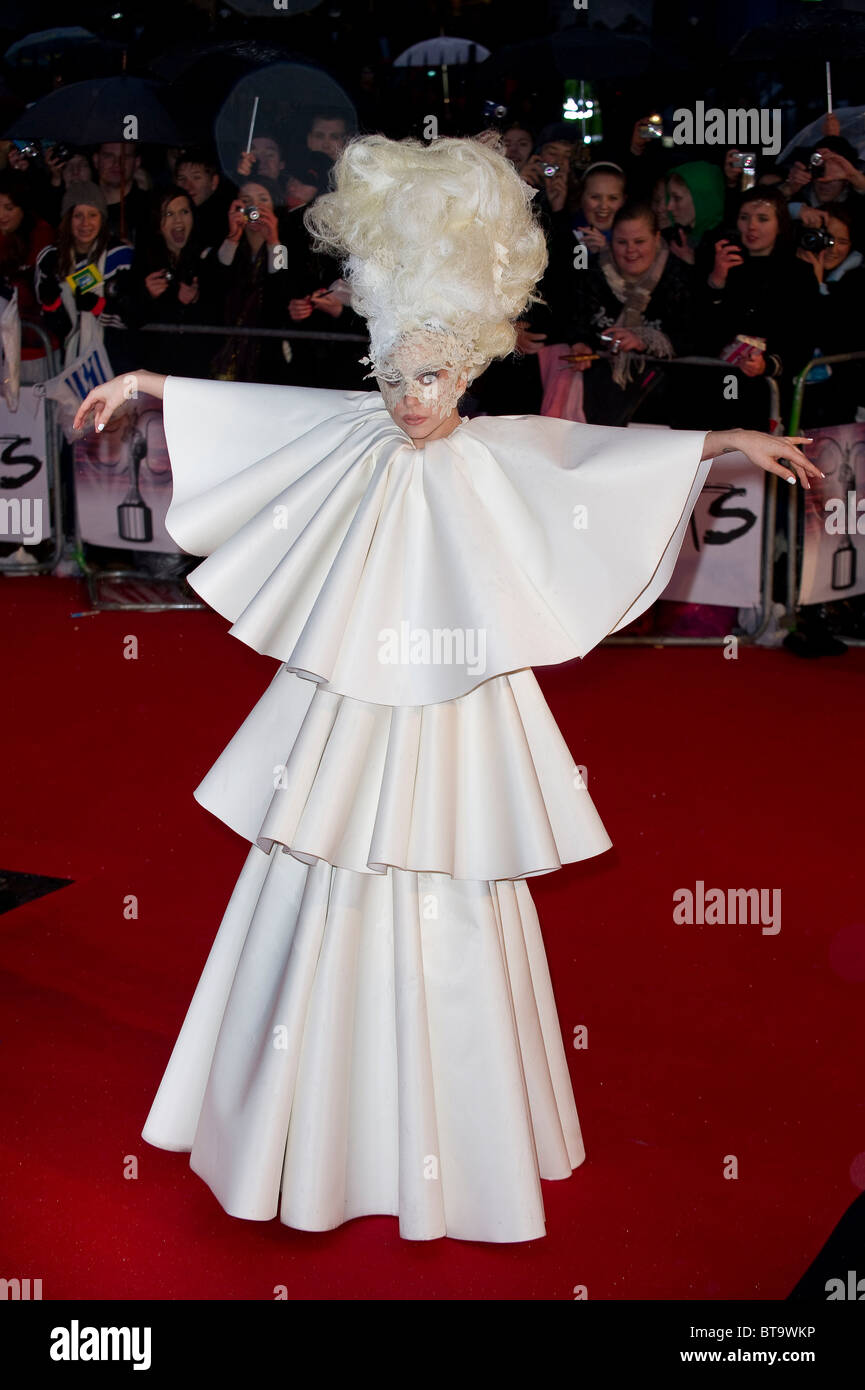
pixel 760 267
pixel 649 260
pixel 98 246
pixel 652 258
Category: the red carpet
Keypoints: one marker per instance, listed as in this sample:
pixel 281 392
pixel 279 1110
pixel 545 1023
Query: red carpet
pixel 704 1042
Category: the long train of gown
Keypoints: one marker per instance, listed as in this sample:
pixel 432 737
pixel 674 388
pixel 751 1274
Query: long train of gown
pixel 374 1030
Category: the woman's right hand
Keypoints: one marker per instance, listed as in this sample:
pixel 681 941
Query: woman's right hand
pixel 798 177
pixel 236 220
pixel 299 309
pixel 246 163
pixel 155 283
pixel 593 239
pixel 581 350
pixel 754 364
pixel 104 400
pixel 532 171
pixel 727 256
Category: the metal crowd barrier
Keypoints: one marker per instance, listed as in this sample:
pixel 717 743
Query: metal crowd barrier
pixel 52 465
pixel 133 578
pixel 770 513
pixel 796 513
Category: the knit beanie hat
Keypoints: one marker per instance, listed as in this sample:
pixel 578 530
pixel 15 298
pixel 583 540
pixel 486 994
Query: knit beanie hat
pixel 85 192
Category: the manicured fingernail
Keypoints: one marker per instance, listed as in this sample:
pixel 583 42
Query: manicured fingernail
pixel 100 427
pixel 793 479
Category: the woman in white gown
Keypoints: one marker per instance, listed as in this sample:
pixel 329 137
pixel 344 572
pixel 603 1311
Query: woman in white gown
pixel 374 1031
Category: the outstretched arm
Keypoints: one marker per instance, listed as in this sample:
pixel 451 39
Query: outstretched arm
pixel 776 453
pixel 104 400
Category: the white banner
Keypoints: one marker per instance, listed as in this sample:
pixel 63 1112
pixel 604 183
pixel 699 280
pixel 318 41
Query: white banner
pixel 25 512
pixel 68 389
pixel 721 556
pixel 833 555
pixel 123 480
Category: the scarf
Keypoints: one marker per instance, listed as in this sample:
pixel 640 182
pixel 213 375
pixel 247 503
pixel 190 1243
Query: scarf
pixel 634 296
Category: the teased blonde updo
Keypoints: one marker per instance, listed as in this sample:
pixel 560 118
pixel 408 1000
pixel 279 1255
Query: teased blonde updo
pixel 439 233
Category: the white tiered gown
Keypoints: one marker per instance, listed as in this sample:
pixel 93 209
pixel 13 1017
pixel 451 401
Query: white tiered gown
pixel 375 1031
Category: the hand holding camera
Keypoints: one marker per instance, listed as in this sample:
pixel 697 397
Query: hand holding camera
pixel 157 282
pixel 798 177
pixel 590 237
pixel 237 220
pixel 728 255
pixel 646 130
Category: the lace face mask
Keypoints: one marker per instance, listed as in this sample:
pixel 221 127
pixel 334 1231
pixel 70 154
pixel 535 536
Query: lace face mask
pixel 428 366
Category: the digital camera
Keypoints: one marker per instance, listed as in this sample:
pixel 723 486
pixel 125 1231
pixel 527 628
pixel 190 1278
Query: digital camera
pixel 816 161
pixel 815 239
pixel 550 170
pixel 610 340
pixel 251 213
pixel 652 128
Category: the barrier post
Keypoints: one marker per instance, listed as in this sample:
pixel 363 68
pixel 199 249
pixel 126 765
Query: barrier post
pixel 796 513
pixel 52 465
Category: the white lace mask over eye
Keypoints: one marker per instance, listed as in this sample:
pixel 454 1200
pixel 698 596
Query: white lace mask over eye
pixel 435 388
pixel 427 365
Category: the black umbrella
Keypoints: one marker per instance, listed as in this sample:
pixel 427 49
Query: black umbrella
pixel 99 110
pixel 48 45
pixel 283 98
pixel 221 62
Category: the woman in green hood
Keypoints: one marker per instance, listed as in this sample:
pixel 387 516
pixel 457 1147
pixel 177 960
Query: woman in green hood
pixel 695 198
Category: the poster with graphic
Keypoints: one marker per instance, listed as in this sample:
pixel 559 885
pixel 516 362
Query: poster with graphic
pixel 123 480
pixel 721 556
pixel 833 537
pixel 25 511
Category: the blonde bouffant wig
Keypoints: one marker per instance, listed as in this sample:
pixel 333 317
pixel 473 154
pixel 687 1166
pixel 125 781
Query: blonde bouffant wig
pixel 434 237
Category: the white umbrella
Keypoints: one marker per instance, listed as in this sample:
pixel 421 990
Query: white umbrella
pixel 441 52
pixel 852 122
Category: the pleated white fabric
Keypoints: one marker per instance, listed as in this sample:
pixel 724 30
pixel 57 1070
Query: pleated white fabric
pixel 375 1030
pixel 367 1044
pixel 483 787
pixel 531 538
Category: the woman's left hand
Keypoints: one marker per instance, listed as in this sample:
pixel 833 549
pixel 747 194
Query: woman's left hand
pixel 775 453
pixel 269 225
pixel 629 341
pixel 187 294
pixel 814 260
pixel 557 190
pixel 835 166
